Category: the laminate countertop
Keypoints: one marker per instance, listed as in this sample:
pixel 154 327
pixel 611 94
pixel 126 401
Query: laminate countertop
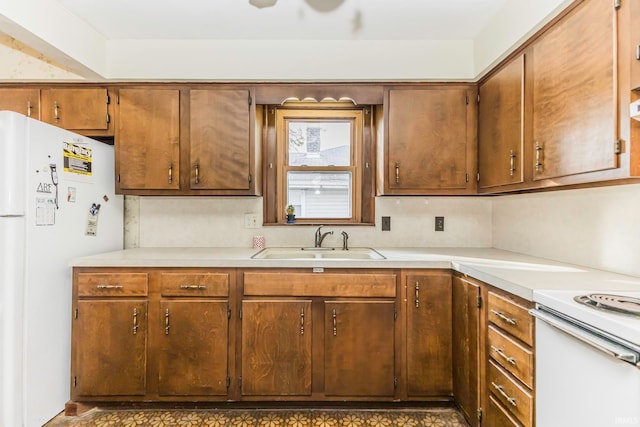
pixel 513 272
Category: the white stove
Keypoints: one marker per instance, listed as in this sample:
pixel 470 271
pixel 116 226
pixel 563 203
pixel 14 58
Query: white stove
pixel 621 325
pixel 587 358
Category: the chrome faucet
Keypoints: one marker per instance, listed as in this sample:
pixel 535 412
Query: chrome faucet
pixel 345 237
pixel 320 236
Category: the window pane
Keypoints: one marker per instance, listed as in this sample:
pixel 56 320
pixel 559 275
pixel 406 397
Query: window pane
pixel 320 194
pixel 319 143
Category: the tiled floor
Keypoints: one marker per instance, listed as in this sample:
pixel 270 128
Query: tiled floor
pixel 428 417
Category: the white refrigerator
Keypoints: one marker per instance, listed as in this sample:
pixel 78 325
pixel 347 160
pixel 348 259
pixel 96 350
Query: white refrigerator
pixel 57 202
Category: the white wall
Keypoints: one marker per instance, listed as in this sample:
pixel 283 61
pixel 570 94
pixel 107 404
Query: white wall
pixel 213 221
pixel 595 227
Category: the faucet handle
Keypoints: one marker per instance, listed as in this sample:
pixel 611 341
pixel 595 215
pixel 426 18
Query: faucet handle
pixel 345 237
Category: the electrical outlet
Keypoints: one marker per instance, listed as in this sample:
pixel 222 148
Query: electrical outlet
pixel 386 223
pixel 439 223
pixel 251 220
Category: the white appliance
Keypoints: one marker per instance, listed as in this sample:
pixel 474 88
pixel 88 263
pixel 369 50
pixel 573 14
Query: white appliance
pixel 57 202
pixel 587 358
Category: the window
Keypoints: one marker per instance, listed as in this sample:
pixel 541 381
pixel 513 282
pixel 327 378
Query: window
pixel 319 155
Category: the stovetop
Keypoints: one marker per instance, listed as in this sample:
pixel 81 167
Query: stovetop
pixel 591 307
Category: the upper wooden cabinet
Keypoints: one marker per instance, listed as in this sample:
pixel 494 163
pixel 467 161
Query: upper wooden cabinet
pixel 635 45
pixel 187 141
pixel 21 100
pixel 220 139
pixel 429 140
pixel 82 110
pixel 148 140
pixel 501 126
pixel 575 93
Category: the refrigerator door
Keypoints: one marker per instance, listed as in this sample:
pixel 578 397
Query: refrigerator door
pixel 71 211
pixel 11 313
pixel 13 158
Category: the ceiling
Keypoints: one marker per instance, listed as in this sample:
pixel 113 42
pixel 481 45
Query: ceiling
pixel 287 19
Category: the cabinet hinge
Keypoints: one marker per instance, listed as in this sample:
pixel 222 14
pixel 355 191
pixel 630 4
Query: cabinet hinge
pixel 466 99
pixel 228 313
pixel 118 99
pixel 250 178
pixel 241 313
pixel 108 99
pixel 228 382
pixel 76 314
pixel 250 100
pixel 617 4
pixel 479 301
pixel 108 118
pixel 478 177
pixel 395 314
pixel 118 177
pixel 617 146
pixel 75 381
pixel 240 382
pixel 395 382
pixel 466 177
pixel 479 414
pixel 478 98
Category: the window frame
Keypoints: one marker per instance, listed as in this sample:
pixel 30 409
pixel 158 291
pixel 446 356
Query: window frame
pixel 352 116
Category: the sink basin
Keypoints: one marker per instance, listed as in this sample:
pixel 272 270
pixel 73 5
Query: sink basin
pixel 318 253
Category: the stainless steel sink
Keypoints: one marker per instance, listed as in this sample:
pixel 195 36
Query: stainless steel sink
pixel 318 253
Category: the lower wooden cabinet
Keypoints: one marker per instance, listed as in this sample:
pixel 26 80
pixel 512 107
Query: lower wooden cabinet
pixel 429 334
pixel 276 342
pixel 318 336
pixel 149 334
pixel 359 356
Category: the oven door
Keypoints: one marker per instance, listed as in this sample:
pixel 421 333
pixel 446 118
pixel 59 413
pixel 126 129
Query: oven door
pixel 583 379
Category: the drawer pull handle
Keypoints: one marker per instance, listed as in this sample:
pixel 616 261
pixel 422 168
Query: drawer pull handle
pixel 302 321
pixel 397 173
pixel 197 172
pixel 417 294
pixel 166 322
pixel 503 355
pixel 335 323
pixel 109 286
pixel 56 115
pixel 500 389
pixel 504 318
pixel 539 160
pixel 512 162
pixel 170 173
pixel 29 108
pixel 135 321
pixel 193 287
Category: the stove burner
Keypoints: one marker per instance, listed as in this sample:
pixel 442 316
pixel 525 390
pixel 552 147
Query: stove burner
pixel 615 303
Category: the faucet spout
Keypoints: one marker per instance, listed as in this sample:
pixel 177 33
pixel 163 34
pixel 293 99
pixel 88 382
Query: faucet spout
pixel 345 237
pixel 320 236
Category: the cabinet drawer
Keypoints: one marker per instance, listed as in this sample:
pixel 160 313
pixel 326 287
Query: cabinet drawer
pixel 320 284
pixel 513 357
pixel 497 416
pixel 511 317
pixel 511 395
pixel 194 284
pixel 112 284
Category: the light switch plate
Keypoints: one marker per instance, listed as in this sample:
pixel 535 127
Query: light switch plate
pixel 251 220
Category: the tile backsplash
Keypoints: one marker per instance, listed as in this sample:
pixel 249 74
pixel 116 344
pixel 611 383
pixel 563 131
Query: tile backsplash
pixel 219 221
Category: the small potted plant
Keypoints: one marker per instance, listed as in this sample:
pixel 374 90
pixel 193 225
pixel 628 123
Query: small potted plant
pixel 291 217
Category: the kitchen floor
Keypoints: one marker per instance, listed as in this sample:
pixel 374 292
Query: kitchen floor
pixel 421 417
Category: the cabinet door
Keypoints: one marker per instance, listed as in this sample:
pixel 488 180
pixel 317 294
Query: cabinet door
pixel 359 348
pixel 276 347
pixel 427 140
pixel 429 348
pixel 500 124
pixel 110 348
pixel 148 139
pixel 220 139
pixel 193 350
pixel 78 109
pixel 635 45
pixel 466 331
pixel 575 93
pixel 23 101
